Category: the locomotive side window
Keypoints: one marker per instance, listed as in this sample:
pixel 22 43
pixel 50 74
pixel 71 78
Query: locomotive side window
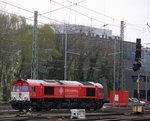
pixel 24 88
pixel 48 90
pixel 16 88
pixel 90 92
pixel 33 89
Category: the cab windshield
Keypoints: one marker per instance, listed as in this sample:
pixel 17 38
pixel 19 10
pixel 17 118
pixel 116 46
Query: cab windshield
pixel 16 88
pixel 24 88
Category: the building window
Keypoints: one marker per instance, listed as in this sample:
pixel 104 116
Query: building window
pixel 48 90
pixel 90 92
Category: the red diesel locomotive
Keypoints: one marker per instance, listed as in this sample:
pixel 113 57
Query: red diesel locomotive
pixel 36 95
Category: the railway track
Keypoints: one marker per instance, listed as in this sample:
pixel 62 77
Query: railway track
pixel 51 116
pixel 106 114
pixel 89 117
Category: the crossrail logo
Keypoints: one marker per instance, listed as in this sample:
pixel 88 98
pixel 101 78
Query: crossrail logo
pixel 61 90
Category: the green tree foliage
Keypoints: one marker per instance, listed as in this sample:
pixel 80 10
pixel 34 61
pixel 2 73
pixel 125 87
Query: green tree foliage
pixel 8 50
pixel 106 72
pixel 55 68
pixel 49 56
pixel 93 63
pixel 16 49
pixel 92 67
pixel 16 37
pixel 82 46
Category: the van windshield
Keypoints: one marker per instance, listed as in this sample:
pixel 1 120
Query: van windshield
pixel 16 88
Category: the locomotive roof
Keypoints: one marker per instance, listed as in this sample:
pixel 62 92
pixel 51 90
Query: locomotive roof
pixel 64 82
pixel 42 81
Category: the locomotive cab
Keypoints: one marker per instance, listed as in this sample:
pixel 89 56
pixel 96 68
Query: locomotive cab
pixel 20 95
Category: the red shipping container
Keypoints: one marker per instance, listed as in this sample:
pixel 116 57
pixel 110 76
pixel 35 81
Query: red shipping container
pixel 119 97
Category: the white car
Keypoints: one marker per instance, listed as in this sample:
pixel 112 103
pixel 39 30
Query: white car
pixel 135 100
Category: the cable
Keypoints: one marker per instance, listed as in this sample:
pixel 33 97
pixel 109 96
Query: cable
pixel 106 15
pixel 80 13
pixel 33 20
pixel 97 12
pixel 16 6
pixel 139 28
pixel 59 8
pixel 54 10
pixel 71 9
pixel 50 7
pixel 11 13
pixel 137 25
pixel 27 11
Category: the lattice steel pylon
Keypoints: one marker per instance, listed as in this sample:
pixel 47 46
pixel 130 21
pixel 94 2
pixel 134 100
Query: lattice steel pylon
pixel 34 65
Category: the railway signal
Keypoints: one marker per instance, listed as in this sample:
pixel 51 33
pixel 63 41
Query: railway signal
pixel 138 50
pixel 137 64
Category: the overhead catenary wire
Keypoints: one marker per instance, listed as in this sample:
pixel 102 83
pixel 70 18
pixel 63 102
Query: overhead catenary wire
pixel 25 17
pixel 73 10
pixel 51 18
pixel 64 7
pixel 127 23
pixel 29 12
pixel 137 25
pixel 97 12
pixel 16 7
pixel 68 7
pixel 80 13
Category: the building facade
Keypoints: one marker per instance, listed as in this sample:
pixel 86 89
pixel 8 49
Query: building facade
pixel 109 42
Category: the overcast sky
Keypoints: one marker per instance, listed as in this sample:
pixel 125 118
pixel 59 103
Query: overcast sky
pixel 135 14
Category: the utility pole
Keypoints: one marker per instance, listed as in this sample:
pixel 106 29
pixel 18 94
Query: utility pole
pixel 146 68
pixel 114 82
pixel 34 66
pixel 121 62
pixel 145 56
pixel 65 63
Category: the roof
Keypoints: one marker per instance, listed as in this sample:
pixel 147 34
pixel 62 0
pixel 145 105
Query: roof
pixel 62 82
pixel 42 81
